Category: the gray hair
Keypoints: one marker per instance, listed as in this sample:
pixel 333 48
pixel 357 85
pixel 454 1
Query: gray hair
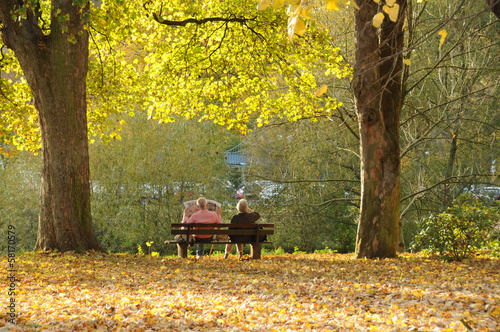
pixel 242 205
pixel 202 202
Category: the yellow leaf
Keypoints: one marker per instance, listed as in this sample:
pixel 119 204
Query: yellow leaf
pixel 300 27
pixel 277 4
pixel 392 11
pixel 263 4
pixel 407 62
pixel 321 91
pixel 496 311
pixel 390 3
pixel 305 14
pixel 332 5
pixel 376 1
pixel 378 19
pixel 443 35
pixel 292 9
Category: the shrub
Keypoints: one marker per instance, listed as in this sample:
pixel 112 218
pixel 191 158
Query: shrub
pixel 460 231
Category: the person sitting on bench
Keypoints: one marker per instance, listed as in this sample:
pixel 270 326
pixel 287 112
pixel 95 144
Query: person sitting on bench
pixel 203 216
pixel 245 216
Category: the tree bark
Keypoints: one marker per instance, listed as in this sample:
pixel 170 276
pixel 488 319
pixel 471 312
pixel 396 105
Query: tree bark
pixel 55 66
pixel 377 88
pixel 494 6
pixel 401 241
pixel 447 195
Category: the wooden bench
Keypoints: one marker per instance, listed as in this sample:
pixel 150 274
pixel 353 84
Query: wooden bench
pixel 253 231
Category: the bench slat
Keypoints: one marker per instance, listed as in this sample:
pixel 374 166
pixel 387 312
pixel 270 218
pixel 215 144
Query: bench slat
pixel 223 225
pixel 218 242
pixel 222 231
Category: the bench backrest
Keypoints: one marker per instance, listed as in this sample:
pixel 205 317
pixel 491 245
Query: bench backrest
pixel 224 228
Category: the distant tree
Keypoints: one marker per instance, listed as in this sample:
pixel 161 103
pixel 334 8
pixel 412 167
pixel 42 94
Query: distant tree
pixel 450 109
pixel 308 177
pixel 140 181
pixel 379 91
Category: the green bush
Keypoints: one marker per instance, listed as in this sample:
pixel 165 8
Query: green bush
pixel 460 231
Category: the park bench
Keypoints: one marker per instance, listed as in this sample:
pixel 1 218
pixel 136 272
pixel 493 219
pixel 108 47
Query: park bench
pixel 254 231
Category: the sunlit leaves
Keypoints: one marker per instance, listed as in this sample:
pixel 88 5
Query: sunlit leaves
pixel 332 5
pixel 109 78
pixel 230 75
pixel 18 118
pixel 114 65
pixel 277 4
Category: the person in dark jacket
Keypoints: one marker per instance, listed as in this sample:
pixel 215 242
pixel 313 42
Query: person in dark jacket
pixel 245 216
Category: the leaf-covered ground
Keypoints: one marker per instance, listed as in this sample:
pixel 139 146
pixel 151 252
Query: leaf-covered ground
pixel 313 292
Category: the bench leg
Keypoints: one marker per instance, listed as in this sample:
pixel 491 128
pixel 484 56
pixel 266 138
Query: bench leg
pixel 182 250
pixel 255 250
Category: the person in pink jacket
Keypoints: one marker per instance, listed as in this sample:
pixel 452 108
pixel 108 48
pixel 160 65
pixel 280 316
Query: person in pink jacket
pixel 203 216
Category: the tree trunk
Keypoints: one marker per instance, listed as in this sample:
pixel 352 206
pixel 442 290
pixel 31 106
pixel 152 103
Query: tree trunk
pixel 401 241
pixel 55 67
pixel 377 88
pixel 494 6
pixel 447 195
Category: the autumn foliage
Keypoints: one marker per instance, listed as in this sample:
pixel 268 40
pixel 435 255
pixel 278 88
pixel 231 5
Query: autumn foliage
pixel 294 292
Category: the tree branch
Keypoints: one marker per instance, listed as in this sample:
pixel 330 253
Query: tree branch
pixel 442 182
pixel 241 20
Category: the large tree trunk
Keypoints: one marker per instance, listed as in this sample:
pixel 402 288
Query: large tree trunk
pixel 377 88
pixel 55 67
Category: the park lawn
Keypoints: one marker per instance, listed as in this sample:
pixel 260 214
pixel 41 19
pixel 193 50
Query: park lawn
pixel 292 292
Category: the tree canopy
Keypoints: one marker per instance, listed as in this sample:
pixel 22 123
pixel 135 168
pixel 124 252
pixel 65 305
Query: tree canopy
pixel 224 62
